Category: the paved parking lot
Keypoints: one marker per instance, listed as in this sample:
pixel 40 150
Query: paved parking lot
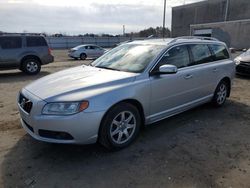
pixel 203 147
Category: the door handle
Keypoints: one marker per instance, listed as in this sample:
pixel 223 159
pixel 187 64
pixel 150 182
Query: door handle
pixel 215 69
pixel 188 76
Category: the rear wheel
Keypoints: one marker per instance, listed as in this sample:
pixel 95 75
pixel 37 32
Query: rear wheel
pixel 31 66
pixel 221 94
pixel 83 56
pixel 120 126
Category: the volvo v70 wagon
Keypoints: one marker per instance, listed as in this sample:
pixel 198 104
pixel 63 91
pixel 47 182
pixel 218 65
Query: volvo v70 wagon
pixel 132 85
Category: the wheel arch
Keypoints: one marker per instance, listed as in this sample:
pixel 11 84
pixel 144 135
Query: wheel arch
pixel 133 102
pixel 81 53
pixel 29 57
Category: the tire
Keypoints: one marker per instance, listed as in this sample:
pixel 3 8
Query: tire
pixel 83 56
pixel 220 94
pixel 31 66
pixel 120 126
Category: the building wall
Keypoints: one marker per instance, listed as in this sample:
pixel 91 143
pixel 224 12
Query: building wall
pixel 207 12
pixel 234 33
pixel 239 10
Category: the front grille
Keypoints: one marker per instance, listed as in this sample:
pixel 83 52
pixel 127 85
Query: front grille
pixel 25 103
pixel 243 68
pixel 245 64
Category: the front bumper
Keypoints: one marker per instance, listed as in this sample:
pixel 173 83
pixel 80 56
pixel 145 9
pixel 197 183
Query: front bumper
pixel 81 128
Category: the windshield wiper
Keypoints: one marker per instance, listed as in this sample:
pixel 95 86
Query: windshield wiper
pixel 109 68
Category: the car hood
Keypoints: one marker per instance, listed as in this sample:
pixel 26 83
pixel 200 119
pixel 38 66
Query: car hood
pixel 82 81
pixel 245 57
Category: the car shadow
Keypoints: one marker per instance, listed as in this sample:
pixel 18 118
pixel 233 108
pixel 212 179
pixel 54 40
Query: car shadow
pixel 197 148
pixel 9 77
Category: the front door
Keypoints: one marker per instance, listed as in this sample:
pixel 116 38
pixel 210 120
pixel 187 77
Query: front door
pixel 170 93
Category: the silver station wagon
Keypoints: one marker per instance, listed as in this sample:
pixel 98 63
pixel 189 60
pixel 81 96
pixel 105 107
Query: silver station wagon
pixel 132 85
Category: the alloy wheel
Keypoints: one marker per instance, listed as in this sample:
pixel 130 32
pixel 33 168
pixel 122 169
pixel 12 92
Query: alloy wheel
pixel 123 127
pixel 32 66
pixel 222 94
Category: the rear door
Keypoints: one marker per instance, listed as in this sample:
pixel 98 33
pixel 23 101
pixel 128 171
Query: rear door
pixel 222 62
pixel 205 70
pixel 11 47
pixel 36 45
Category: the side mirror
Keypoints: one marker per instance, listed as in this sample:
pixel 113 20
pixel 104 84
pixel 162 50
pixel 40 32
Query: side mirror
pixel 166 69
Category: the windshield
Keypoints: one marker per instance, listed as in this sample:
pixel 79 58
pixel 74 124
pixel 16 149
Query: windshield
pixel 129 57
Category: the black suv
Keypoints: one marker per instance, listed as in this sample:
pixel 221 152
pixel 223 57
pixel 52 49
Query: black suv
pixel 26 53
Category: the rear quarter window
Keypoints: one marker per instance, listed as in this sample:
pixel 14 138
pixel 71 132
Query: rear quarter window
pixel 200 53
pixel 35 41
pixel 10 42
pixel 219 52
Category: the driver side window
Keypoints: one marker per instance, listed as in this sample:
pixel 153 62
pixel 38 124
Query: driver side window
pixel 177 56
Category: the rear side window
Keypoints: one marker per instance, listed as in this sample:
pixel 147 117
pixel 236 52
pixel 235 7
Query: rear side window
pixel 35 41
pixel 220 52
pixel 90 47
pixel 10 42
pixel 201 53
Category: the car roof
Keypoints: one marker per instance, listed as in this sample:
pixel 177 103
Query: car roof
pixel 82 45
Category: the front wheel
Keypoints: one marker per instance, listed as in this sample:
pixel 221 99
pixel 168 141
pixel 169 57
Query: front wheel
pixel 120 126
pixel 220 94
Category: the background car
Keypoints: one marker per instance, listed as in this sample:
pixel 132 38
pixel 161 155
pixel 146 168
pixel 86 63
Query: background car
pixel 86 51
pixel 26 53
pixel 243 63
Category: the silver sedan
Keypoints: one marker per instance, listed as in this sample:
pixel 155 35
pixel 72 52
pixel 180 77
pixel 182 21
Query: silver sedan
pixel 86 51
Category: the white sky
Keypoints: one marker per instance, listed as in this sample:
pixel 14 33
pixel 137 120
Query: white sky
pixel 83 16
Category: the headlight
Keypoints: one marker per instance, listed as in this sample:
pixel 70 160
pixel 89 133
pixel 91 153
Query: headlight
pixel 237 61
pixel 64 108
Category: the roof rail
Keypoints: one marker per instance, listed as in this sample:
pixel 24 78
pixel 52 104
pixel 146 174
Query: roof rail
pixel 194 37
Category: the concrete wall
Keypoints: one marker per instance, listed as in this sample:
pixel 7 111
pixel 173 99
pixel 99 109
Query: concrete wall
pixel 238 10
pixel 196 13
pixel 234 33
pixel 207 12
pixel 69 42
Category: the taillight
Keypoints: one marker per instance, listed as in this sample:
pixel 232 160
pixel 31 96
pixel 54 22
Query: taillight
pixel 50 51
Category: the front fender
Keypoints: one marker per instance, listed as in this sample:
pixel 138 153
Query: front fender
pixel 138 90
